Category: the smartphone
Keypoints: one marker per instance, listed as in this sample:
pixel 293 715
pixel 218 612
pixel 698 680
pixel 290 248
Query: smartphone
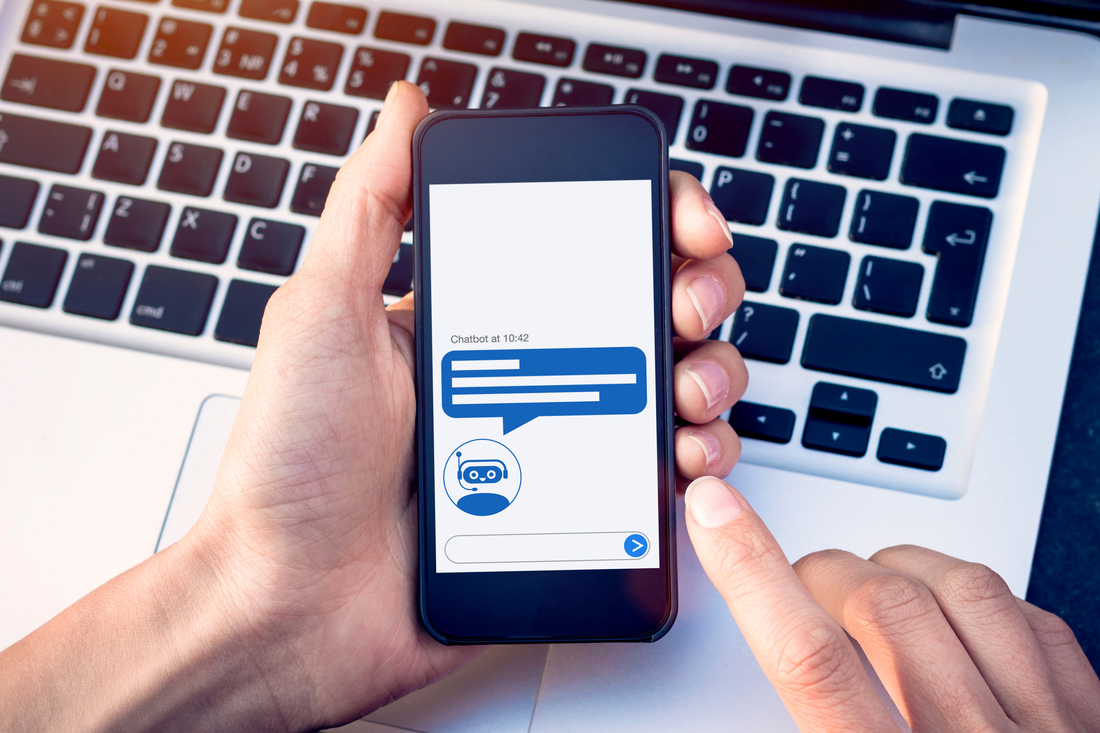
pixel 544 364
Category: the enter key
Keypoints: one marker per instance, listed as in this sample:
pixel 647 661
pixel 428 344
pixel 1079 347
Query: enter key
pixel 957 235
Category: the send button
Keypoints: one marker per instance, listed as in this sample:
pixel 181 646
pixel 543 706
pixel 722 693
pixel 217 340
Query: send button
pixel 636 545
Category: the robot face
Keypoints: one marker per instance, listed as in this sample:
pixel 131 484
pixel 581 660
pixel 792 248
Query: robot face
pixel 481 472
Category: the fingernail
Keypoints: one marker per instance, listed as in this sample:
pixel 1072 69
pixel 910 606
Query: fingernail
pixel 711 502
pixel 709 300
pixel 712 381
pixel 390 96
pixel 720 217
pixel 708 444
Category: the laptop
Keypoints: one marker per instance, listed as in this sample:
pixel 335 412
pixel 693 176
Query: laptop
pixel 913 198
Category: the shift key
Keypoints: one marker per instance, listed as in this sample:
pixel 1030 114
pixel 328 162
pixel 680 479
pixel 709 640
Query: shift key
pixel 884 353
pixel 43 144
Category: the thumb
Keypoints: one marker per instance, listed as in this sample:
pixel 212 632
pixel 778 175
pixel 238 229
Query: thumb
pixel 371 199
pixel 804 653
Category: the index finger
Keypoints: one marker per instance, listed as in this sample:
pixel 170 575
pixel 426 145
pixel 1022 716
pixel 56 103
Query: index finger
pixel 802 650
pixel 699 229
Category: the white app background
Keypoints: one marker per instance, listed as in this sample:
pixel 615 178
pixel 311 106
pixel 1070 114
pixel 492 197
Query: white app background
pixel 570 264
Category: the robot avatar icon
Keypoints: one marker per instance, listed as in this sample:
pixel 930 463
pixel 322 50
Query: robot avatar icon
pixel 482 477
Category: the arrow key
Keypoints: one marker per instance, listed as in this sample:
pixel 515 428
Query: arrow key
pixel 840 419
pixel 773 424
pixel 915 450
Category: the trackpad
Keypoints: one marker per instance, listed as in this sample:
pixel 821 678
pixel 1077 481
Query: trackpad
pixel 200 466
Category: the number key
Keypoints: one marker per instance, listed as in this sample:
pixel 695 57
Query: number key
pixel 719 128
pixel 374 70
pixel 180 43
pixel 446 84
pixel 245 53
pixel 509 89
pixel 310 64
pixel 116 33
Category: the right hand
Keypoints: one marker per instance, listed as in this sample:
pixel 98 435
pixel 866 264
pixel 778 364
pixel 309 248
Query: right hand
pixel 953 647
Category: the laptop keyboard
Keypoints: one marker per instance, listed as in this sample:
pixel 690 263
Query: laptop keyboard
pixel 162 167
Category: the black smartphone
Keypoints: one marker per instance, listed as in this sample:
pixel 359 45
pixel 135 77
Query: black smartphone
pixel 544 365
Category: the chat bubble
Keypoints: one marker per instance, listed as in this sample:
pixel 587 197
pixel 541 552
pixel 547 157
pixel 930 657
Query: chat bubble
pixel 519 385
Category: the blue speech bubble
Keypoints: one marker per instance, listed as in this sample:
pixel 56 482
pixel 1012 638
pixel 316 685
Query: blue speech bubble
pixel 519 385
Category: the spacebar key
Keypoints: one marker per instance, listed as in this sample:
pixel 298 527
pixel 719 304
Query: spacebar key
pixel 35 143
pixel 884 353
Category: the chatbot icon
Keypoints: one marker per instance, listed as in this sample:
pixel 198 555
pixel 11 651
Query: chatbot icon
pixel 485 485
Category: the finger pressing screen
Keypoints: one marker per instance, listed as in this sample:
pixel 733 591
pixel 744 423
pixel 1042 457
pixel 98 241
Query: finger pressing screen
pixel 801 649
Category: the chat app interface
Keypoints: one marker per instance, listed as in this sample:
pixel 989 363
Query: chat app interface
pixel 545 423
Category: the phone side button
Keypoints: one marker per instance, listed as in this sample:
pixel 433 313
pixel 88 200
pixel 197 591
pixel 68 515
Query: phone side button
pixel 762 422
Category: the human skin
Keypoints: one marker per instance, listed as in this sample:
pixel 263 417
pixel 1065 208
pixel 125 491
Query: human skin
pixel 291 605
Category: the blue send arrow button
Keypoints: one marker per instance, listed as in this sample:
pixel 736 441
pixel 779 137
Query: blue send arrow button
pixel 636 545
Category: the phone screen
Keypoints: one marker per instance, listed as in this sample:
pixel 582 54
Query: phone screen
pixel 543 345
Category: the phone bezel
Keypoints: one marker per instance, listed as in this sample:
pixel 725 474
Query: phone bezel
pixel 569 605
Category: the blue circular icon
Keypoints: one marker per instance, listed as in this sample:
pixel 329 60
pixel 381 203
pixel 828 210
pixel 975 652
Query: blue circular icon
pixel 636 545
pixel 482 477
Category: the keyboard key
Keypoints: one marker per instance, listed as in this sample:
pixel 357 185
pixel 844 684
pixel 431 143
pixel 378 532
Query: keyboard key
pixel 446 84
pixel 399 280
pixel 98 286
pixel 70 212
pixel 953 165
pixel 888 286
pixel 350 19
pixel 312 188
pixel 510 89
pixel 209 6
pixel 244 53
pixel 17 196
pixel 190 169
pixel 685 71
pixel 124 158
pixel 193 107
pixel 790 139
pixel 258 117
pixel 687 166
pixel 742 196
pixel 374 70
pixel 884 353
pixel 116 33
pixel 862 151
pixel 270 246
pixel 898 104
pixel 311 64
pixel 885 219
pixel 47 83
pixel 372 122
pixel 43 144
pixel 915 450
pixel 471 38
pixel 256 180
pixel 180 43
pixel 756 258
pixel 811 207
pixel 128 96
pixel 839 420
pixel 815 273
pixel 52 23
pixel 967 114
pixel 243 312
pixel 275 11
pixel 404 28
pixel 326 128
pixel 722 129
pixel 846 96
pixel 614 60
pixel 761 83
pixel 577 93
pixel 32 274
pixel 668 107
pixel 549 50
pixel 173 300
pixel 762 422
pixel 764 332
pixel 137 224
pixel 203 235
pixel 958 235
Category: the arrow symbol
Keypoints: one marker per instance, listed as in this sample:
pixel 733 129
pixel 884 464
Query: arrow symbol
pixel 761 419
pixel 836 435
pixel 758 80
pixel 25 85
pixel 968 238
pixel 909 446
pixel 638 545
pixel 844 396
pixel 972 177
